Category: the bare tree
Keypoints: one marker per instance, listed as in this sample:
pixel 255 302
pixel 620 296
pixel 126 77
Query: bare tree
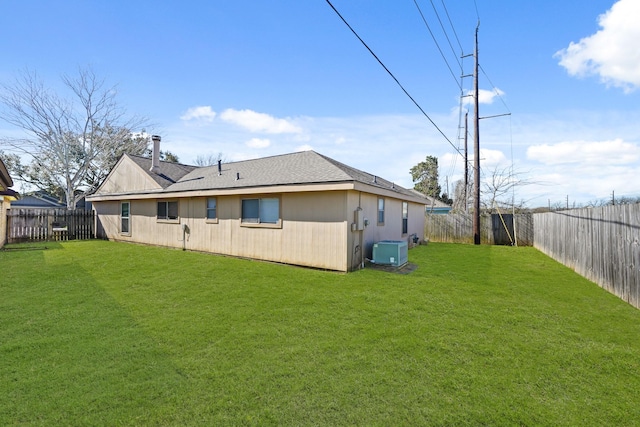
pixel 459 195
pixel 499 187
pixel 72 143
pixel 209 159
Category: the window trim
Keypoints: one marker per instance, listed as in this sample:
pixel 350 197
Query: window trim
pixel 381 211
pixel 206 207
pixel 167 219
pixel 277 224
pixel 128 218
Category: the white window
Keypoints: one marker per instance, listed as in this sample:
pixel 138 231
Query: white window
pixel 380 211
pixel 261 211
pixel 405 217
pixel 124 217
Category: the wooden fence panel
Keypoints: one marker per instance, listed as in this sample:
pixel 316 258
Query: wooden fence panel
pixel 24 225
pixel 601 244
pixel 494 229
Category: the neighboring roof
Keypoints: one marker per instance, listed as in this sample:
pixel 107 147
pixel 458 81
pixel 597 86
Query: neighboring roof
pixel 306 167
pixel 432 201
pixel 38 199
pixel 5 178
pixel 10 193
pixel 169 174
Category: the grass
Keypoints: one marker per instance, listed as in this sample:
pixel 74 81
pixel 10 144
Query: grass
pixel 104 333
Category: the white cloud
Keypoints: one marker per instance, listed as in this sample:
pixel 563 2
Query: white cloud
pixel 258 143
pixel 491 158
pixel 487 96
pixel 259 122
pixel 582 154
pixel 615 152
pixel 611 53
pixel 202 113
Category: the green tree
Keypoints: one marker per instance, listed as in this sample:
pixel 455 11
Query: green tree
pixel 425 177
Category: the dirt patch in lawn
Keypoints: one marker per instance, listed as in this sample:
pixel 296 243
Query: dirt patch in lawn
pixel 404 269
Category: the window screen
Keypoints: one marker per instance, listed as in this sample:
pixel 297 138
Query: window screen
pixel 269 210
pixel 251 210
pixel 265 210
pixel 167 210
pixel 212 208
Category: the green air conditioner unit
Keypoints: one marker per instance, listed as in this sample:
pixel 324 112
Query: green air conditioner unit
pixel 390 252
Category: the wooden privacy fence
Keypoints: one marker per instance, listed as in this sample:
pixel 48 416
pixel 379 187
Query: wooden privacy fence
pixel 24 225
pixel 495 229
pixel 601 244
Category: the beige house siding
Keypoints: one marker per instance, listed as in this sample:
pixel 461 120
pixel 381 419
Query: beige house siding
pixel 318 199
pixel 312 233
pixel 128 177
pixel 391 229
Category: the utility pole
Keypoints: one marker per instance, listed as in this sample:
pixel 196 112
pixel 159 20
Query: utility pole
pixel 466 162
pixel 476 149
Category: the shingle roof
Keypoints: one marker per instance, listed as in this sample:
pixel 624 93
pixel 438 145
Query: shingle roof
pixel 170 173
pixel 38 199
pixel 306 167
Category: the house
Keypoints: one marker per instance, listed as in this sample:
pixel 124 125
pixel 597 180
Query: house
pixel 6 196
pixel 301 208
pixel 38 200
pixel 437 207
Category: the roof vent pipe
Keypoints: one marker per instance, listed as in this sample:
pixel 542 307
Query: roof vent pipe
pixel 219 167
pixel 237 176
pixel 155 154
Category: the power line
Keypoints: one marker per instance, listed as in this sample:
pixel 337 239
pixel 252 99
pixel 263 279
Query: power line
pixel 453 163
pixel 452 27
pixel 445 34
pixel 437 45
pixel 495 89
pixel 392 76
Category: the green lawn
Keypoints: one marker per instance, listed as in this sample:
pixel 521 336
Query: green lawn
pixel 104 333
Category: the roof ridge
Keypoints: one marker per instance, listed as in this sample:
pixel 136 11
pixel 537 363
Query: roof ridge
pixel 306 166
pixel 261 158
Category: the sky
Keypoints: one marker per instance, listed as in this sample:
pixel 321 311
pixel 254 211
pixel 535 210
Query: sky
pixel 251 79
